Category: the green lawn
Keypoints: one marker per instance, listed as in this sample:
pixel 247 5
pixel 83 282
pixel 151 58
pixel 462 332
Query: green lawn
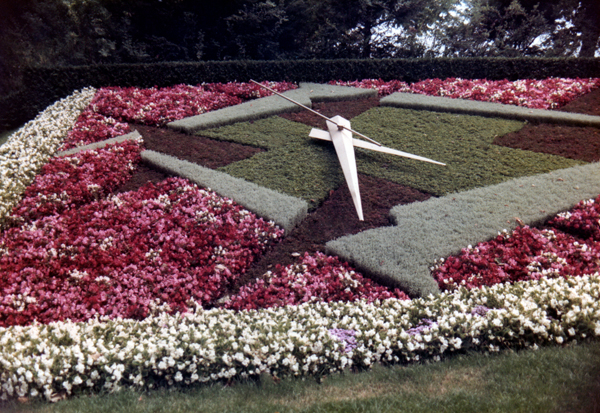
pixel 552 379
pixel 306 168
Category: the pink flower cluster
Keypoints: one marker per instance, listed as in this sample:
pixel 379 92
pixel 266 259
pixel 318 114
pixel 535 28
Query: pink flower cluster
pixel 164 247
pixel 528 253
pixel 93 127
pixel 158 106
pixel 582 221
pixel 317 278
pixel 551 93
pixel 66 183
pixel 384 88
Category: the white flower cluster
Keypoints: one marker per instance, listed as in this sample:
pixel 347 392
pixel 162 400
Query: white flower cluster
pixel 29 148
pixel 221 344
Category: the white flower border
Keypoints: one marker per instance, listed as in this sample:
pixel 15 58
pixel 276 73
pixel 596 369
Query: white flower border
pixel 63 358
pixel 29 148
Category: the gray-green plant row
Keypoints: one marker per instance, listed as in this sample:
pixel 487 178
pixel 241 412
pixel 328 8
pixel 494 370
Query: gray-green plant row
pixel 489 109
pixel 427 231
pixel 286 211
pixel 135 135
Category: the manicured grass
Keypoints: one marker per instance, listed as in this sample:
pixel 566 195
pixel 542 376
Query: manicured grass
pixel 464 143
pixel 293 163
pixel 552 379
pixel 300 166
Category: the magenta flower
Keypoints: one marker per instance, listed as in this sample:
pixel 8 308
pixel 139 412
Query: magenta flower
pixel 167 246
pixel 551 93
pixel 315 278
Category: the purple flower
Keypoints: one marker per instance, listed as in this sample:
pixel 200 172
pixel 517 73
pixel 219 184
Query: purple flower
pixel 423 324
pixel 347 336
pixel 480 310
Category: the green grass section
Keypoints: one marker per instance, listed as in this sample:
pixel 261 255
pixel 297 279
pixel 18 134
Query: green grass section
pixel 463 142
pixel 293 163
pixel 300 166
pixel 552 379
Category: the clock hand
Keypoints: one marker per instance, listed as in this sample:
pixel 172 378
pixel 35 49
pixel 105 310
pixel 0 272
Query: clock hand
pixel 324 135
pixel 339 126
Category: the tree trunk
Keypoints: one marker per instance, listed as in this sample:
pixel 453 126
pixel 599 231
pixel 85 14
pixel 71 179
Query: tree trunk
pixel 366 40
pixel 588 44
pixel 590 27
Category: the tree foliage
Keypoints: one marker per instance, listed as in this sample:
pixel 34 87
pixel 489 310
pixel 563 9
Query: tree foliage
pixel 76 32
pixel 489 30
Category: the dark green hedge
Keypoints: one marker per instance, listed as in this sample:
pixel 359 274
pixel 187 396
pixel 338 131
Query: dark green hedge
pixel 45 85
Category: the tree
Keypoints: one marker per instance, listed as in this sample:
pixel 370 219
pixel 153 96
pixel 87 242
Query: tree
pixel 255 29
pixel 487 29
pixel 32 32
pixel 572 26
pixel 356 28
pixel 578 27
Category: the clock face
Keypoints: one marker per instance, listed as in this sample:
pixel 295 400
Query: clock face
pixel 280 155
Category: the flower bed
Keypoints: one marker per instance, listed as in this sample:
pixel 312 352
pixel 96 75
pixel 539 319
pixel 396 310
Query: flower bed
pixel 582 221
pixel 112 106
pixel 529 253
pixel 551 93
pixel 28 149
pixel 105 258
pixel 69 182
pixel 169 245
pixel 93 127
pixel 314 279
pixel 67 358
pixel 526 254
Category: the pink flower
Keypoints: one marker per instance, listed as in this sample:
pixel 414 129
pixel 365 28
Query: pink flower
pixel 315 278
pixel 551 93
pixel 170 243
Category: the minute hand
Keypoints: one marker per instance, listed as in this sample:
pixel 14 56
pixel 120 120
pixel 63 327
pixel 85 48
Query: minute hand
pixel 340 127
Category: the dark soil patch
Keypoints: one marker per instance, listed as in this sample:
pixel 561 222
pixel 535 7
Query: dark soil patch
pixel 207 152
pixel 582 143
pixel 588 104
pixel 337 217
pixel 345 109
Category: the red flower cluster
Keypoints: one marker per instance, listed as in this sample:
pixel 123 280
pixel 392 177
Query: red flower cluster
pixel 170 245
pixel 317 278
pixel 158 106
pixel 526 254
pixel 69 182
pixel 93 127
pixel 583 220
pixel 551 93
